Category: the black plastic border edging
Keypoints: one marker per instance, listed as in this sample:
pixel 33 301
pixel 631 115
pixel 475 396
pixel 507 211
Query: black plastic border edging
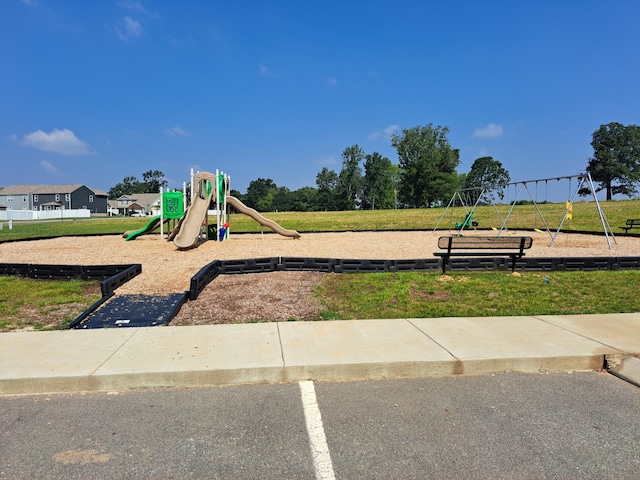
pixel 200 280
pixel 80 318
pixel 66 272
pixel 110 284
pixel 332 265
pixel 112 276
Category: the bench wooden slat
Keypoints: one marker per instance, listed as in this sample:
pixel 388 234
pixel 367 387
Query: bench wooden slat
pixel 467 246
pixel 483 243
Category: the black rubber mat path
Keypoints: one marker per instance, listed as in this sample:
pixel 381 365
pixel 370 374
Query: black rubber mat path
pixel 135 311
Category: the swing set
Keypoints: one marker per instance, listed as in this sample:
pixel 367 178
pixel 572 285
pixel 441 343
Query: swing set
pixel 469 199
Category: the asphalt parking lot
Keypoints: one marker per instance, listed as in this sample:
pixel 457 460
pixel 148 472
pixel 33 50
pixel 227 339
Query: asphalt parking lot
pixel 518 426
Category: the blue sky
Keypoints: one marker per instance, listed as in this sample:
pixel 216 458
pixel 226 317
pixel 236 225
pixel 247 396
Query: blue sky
pixel 94 91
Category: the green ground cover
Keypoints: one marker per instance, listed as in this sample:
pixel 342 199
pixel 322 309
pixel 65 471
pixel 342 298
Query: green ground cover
pixel 27 303
pixel 24 230
pixel 585 218
pixel 475 294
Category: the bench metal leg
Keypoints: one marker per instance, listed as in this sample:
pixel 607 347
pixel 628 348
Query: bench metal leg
pixel 513 263
pixel 445 262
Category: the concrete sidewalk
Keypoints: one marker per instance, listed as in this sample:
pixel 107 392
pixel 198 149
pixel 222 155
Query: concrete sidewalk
pixel 122 358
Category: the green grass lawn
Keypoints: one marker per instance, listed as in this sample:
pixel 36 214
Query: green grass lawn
pixel 585 218
pixel 478 294
pixel 43 304
pixel 56 228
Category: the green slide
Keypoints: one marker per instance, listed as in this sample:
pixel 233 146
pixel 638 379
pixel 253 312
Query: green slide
pixel 149 227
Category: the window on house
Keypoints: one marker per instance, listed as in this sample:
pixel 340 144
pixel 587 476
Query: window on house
pixel 90 198
pixel 57 197
pixel 24 198
pixel 9 198
pixel 67 197
pixel 35 198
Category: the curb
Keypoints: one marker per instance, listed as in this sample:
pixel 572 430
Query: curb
pixel 626 368
pixel 126 380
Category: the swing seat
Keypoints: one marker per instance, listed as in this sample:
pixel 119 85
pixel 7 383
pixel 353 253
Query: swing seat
pixel 467 222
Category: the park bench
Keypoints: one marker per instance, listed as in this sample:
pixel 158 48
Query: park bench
pixel 472 246
pixel 631 223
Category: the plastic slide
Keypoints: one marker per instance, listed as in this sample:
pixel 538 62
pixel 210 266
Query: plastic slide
pixel 149 227
pixel 194 217
pixel 242 208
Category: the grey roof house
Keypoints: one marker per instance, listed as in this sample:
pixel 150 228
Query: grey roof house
pixel 147 203
pixel 53 197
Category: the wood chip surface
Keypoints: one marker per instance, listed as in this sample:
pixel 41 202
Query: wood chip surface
pixel 272 296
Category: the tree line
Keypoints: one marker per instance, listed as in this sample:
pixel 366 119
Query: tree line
pixel 426 174
pixel 152 181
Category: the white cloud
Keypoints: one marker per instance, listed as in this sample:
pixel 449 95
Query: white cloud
pixel 177 132
pixel 387 132
pixel 490 131
pixel 49 168
pixel 129 29
pixel 63 142
pixel 137 7
pixel 391 129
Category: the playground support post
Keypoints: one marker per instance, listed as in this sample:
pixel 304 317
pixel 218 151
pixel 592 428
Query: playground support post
pixel 161 216
pixel 569 207
pixel 453 198
pixel 483 190
pixel 522 185
pixel 513 204
pixel 221 192
pixel 535 204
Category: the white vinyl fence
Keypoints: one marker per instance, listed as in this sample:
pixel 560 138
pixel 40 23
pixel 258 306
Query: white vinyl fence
pixel 44 214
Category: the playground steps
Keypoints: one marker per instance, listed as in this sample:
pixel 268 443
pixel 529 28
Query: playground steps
pixel 134 311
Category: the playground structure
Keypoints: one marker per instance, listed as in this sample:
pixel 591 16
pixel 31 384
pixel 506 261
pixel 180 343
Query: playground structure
pixel 470 198
pixel 204 186
pixel 152 225
pixel 191 224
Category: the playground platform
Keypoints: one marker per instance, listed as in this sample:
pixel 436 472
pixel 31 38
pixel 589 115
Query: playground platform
pixel 138 357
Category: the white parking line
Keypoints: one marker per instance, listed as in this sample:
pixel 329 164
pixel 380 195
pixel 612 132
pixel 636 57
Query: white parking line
pixel 318 442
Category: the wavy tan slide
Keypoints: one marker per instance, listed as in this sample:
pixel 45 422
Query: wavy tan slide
pixel 189 233
pixel 242 208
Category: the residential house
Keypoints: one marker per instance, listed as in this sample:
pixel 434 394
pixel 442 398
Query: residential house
pixel 18 197
pixel 145 203
pixel 53 197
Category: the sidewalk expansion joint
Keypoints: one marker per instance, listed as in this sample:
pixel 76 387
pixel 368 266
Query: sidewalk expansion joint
pixel 134 331
pixel 432 339
pixel 576 333
pixel 280 342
